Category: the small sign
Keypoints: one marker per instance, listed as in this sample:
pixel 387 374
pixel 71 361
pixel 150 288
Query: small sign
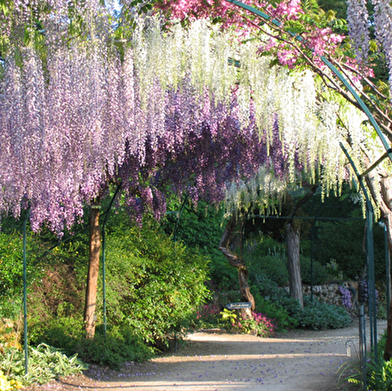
pixel 239 306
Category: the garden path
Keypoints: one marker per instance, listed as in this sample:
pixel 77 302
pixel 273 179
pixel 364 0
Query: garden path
pixel 297 360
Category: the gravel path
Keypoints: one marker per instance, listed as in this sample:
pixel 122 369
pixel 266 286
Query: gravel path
pixel 298 360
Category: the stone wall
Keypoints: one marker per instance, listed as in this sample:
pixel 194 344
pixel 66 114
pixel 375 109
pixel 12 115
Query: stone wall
pixel 329 293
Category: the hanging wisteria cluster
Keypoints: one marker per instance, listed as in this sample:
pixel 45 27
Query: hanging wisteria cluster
pixel 359 25
pixel 170 112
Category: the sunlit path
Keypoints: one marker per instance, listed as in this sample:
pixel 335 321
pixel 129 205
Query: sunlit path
pixel 300 360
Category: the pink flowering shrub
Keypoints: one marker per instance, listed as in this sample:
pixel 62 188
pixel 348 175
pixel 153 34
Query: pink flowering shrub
pixel 264 326
pixel 207 315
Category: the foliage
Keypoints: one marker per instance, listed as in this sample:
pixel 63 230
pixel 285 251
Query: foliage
pixel 119 346
pixel 272 265
pixel 207 316
pixel 276 303
pixel 200 227
pixel 11 267
pixel 316 315
pixel 153 285
pixel 276 312
pixel 257 322
pixel 319 315
pixel 349 253
pixel 378 372
pixel 45 363
pixel 320 273
pixel 379 375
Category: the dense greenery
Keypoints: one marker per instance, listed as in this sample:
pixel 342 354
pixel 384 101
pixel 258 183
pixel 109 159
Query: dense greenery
pixel 153 289
pixel 45 363
pixel 287 312
pixel 156 288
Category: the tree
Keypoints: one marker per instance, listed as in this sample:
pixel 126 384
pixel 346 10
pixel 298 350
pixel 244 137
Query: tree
pixel 120 87
pixel 75 118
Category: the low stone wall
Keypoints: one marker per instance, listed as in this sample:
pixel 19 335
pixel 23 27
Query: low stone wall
pixel 330 293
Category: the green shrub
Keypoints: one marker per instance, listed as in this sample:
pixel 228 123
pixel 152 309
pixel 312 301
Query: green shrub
pixel 320 273
pixel 45 364
pixel 258 322
pixel 119 346
pixel 319 315
pixel 273 266
pixel 207 316
pixel 276 312
pixel 153 285
pixel 277 303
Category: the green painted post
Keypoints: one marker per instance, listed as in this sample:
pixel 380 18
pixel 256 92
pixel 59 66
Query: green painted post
pixel 25 294
pixel 104 259
pixel 370 273
pixel 371 278
pixel 388 269
pixel 312 252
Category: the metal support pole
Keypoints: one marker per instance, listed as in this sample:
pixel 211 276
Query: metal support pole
pixel 388 270
pixel 104 259
pixel 312 251
pixel 370 262
pixel 362 331
pixel 25 294
pixel 371 278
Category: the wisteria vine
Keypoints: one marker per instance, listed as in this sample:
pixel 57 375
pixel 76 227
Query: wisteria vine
pixel 167 113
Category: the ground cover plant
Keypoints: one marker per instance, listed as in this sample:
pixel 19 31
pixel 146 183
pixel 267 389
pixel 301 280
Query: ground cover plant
pixel 45 363
pixel 378 372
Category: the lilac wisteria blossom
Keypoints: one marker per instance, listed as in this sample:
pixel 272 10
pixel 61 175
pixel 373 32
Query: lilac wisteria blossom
pixel 383 29
pixel 358 27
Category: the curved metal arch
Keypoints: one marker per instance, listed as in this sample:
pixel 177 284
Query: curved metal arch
pixel 336 72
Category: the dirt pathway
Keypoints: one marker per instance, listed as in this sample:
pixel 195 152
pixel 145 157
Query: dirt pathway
pixel 299 360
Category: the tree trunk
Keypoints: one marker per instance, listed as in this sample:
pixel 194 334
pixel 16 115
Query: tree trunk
pixel 93 271
pixel 292 239
pixel 295 283
pixel 236 261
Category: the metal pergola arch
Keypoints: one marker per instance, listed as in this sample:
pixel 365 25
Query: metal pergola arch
pixel 369 208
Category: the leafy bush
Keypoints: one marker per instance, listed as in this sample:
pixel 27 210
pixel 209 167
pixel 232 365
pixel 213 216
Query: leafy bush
pixel 273 266
pixel 276 303
pixel 320 273
pixel 378 373
pixel 207 316
pixel 119 346
pixel 258 322
pixel 348 253
pixel 288 312
pixel 319 315
pixel 275 311
pixel 45 364
pixel 153 285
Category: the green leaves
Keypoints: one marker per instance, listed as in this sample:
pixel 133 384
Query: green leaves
pixel 45 364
